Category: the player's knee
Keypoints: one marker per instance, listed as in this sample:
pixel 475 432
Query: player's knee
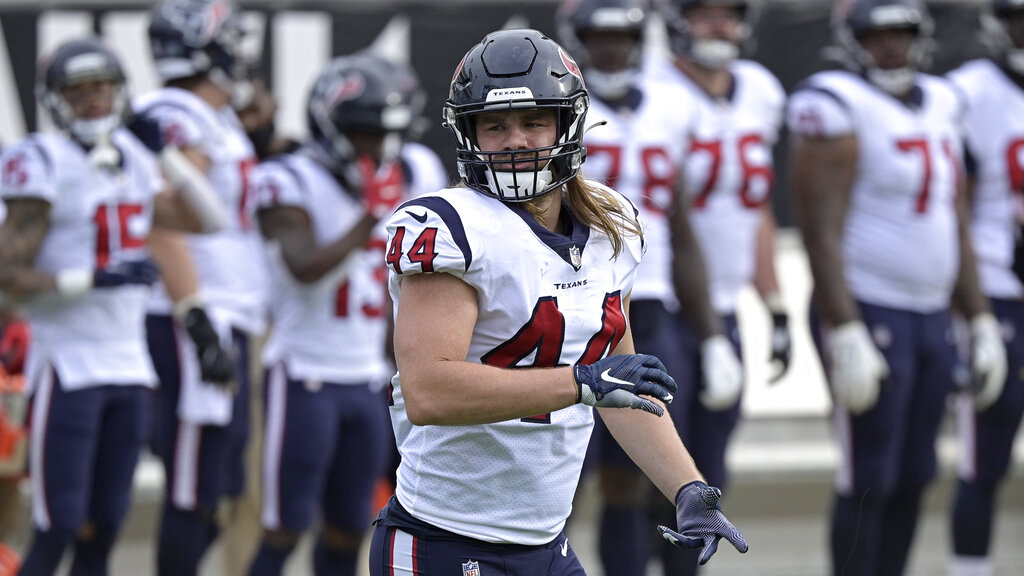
pixel 341 539
pixel 621 487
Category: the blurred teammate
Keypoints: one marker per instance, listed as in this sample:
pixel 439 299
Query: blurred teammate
pixel 73 250
pixel 326 438
pixel 876 162
pixel 201 425
pixel 512 295
pixel 989 420
pixel 422 169
pixel 640 151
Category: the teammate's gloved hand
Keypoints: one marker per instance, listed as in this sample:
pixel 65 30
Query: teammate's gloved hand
pixel 14 345
pixel 701 523
pixel 383 187
pixel 215 364
pixel 139 272
pixel 147 131
pixel 781 345
pixel 857 367
pixel 723 374
pixel 988 359
pixel 619 381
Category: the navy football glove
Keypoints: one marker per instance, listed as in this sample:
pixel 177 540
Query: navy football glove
pixel 701 522
pixel 619 381
pixel 781 345
pixel 138 272
pixel 215 364
pixel 147 131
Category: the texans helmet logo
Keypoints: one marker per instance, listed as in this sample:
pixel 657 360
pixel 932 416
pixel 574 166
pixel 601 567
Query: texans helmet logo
pixel 571 66
pixel 346 89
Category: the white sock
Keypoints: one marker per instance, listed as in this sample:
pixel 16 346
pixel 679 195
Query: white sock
pixel 971 566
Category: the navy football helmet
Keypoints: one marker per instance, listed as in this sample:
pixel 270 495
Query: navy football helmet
pixel 852 20
pixel 355 94
pixel 996 23
pixel 512 69
pixel 193 37
pixel 76 62
pixel 407 83
pixel 706 52
pixel 577 18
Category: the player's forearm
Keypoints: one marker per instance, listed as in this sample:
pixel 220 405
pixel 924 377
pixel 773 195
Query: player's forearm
pixel 694 293
pixel 967 294
pixel 170 251
pixel 765 280
pixel 654 445
pixel 831 295
pixel 310 264
pixel 456 392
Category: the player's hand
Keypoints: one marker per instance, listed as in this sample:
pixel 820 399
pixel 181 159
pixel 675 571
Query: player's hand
pixel 857 368
pixel 216 365
pixel 383 188
pixel 781 346
pixel 988 359
pixel 723 374
pixel 14 345
pixel 620 381
pixel 147 131
pixel 701 523
pixel 129 272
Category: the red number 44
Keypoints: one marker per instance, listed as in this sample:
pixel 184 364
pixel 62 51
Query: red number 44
pixel 421 252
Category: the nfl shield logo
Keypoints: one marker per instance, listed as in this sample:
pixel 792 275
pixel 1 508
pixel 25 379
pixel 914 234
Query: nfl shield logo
pixel 574 257
pixel 471 568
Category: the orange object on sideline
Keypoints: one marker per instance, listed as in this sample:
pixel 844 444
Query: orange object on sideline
pixel 381 494
pixel 10 563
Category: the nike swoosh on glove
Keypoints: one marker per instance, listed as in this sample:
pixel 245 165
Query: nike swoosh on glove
pixel 857 368
pixel 620 381
pixel 701 522
pixel 988 360
pixel 723 374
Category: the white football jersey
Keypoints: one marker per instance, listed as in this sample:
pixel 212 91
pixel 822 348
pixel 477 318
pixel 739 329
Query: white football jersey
pixel 994 135
pixel 544 300
pixel 230 263
pixel 729 171
pixel 97 218
pixel 422 170
pixel 638 152
pixel 332 330
pixel 900 242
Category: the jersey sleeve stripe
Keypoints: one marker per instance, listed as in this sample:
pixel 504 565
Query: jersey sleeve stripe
pixel 452 220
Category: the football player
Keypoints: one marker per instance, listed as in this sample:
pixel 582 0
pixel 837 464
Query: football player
pixel 989 418
pixel 422 170
pixel 512 297
pixel 201 425
pixel 73 252
pixel 877 162
pixel 325 442
pixel 732 112
pixel 638 146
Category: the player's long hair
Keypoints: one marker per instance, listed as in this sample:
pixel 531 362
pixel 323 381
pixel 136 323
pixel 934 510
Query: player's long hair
pixel 598 209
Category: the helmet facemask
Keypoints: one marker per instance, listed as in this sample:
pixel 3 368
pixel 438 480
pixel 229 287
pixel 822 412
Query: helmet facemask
pixel 997 36
pixel 849 37
pixel 594 30
pixel 496 172
pixel 74 64
pixel 709 53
